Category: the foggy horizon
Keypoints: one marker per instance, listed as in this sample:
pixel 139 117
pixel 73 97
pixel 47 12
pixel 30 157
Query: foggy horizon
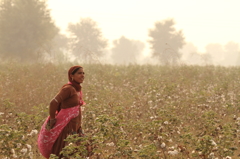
pixel 128 32
pixel 202 22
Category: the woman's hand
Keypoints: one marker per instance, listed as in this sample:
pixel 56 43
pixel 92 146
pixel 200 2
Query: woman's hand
pixel 50 124
pixel 80 132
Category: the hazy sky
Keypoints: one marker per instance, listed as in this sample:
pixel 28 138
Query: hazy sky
pixel 202 21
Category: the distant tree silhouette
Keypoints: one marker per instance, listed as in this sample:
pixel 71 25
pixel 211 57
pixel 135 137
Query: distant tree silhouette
pixel 225 55
pixel 191 56
pixel 186 53
pixel 26 29
pixel 87 41
pixel 59 48
pixel 126 51
pixel 216 51
pixel 206 59
pixel 231 54
pixel 166 41
pixel 238 59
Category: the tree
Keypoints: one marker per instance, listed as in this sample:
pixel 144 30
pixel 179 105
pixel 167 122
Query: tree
pixel 87 41
pixel 166 41
pixel 216 51
pixel 59 49
pixel 231 54
pixel 26 28
pixel 187 52
pixel 126 51
pixel 191 56
pixel 226 55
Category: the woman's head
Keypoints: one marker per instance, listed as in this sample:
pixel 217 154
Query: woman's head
pixel 76 74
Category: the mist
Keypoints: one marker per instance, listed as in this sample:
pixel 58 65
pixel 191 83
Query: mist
pixel 27 39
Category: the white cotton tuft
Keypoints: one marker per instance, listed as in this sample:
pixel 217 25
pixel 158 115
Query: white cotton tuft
pixel 163 145
pixel 174 152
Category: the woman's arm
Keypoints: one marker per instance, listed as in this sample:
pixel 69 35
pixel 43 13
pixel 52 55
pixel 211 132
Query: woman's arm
pixel 53 108
pixel 64 93
pixel 54 104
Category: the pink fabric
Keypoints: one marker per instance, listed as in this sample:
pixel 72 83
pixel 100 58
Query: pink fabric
pixel 47 138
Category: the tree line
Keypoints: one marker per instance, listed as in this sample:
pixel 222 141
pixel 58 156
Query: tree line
pixel 28 34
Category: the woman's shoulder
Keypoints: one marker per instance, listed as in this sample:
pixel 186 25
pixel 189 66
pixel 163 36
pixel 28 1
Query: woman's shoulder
pixel 67 87
pixel 65 92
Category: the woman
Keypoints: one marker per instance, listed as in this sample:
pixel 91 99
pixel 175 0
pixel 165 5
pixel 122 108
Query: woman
pixel 64 115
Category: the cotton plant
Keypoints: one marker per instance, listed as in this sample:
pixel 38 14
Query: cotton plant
pixel 132 111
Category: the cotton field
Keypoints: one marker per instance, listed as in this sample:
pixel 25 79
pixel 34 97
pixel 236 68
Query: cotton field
pixel 135 111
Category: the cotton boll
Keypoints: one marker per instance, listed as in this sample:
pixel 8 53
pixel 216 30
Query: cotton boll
pixel 163 145
pixel 19 145
pixel 24 150
pixel 29 147
pixel 165 122
pixel 110 144
pixel 174 152
pixel 213 143
pixel 31 155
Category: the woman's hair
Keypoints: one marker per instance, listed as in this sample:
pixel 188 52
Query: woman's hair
pixel 75 70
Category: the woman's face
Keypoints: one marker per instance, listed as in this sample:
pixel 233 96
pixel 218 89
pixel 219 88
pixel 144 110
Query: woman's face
pixel 78 76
